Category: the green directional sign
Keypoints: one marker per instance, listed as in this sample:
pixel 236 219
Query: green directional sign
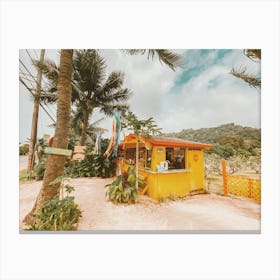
pixel 57 151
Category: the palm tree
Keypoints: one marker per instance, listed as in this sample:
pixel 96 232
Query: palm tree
pixel 33 136
pixel 107 95
pixel 55 163
pixel 76 126
pixel 90 88
pixel 253 81
pixel 171 59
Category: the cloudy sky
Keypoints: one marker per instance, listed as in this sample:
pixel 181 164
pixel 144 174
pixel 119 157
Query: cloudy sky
pixel 200 94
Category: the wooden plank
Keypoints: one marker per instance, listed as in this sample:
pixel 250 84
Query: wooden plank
pixel 79 149
pixel 57 151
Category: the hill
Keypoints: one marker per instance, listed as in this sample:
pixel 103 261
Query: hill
pixel 228 139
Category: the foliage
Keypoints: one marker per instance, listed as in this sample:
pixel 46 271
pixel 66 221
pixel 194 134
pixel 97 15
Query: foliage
pixel 236 163
pixel 246 77
pixel 142 128
pixel 24 175
pixel 228 139
pixel 40 167
pixel 93 165
pixel 57 214
pixel 23 149
pixel 171 59
pixel 39 170
pixel 91 87
pixel 252 80
pixel 76 128
pixel 123 188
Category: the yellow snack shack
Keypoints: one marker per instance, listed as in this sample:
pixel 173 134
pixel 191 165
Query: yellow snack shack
pixel 171 167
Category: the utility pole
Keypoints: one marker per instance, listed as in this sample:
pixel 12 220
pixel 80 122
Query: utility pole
pixel 33 137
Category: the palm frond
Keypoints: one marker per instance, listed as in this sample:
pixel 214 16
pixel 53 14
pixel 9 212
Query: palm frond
pixel 254 54
pixel 48 68
pixel 135 51
pixel 114 81
pixel 109 109
pixel 89 69
pixel 246 77
pixel 48 97
pixel 171 59
pixel 112 97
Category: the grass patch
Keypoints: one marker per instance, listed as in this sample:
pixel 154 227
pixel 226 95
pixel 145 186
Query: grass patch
pixel 25 176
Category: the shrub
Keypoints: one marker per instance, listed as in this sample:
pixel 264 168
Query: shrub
pixel 57 214
pixel 40 170
pixel 92 166
pixel 123 188
pixel 23 149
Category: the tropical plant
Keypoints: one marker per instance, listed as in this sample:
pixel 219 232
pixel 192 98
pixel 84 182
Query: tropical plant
pixel 253 81
pixel 55 163
pixel 93 166
pixel 98 92
pixel 57 214
pixel 169 58
pixel 141 128
pixel 39 170
pixel 123 189
pixel 23 149
pixel 40 165
pixel 91 89
pixel 33 136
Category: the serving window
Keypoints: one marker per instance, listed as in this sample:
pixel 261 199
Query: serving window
pixel 130 155
pixel 175 158
pixel 145 157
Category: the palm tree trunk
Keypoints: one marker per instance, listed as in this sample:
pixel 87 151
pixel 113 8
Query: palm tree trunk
pixel 85 126
pixel 33 136
pixel 55 163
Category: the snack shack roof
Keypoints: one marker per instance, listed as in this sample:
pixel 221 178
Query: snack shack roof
pixel 167 142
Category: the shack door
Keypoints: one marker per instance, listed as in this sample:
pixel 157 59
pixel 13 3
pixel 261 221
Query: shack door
pixel 195 163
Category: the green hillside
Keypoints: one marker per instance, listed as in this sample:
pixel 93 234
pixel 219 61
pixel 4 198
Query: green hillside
pixel 228 139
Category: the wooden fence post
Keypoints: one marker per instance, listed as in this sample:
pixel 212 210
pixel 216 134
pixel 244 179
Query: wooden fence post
pixel 250 184
pixel 224 172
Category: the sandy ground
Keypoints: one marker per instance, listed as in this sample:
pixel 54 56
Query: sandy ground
pixel 199 212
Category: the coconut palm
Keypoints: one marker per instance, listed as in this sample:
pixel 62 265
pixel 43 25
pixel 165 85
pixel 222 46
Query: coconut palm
pixel 90 88
pixel 33 136
pixel 76 126
pixel 253 81
pixel 55 163
pixel 171 59
pixel 98 92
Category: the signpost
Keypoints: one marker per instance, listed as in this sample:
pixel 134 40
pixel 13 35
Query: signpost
pixel 57 151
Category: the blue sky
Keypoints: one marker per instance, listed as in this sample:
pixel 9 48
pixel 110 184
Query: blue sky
pixel 200 94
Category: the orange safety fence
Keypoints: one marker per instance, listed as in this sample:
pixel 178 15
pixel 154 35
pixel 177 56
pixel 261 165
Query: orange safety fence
pixel 241 185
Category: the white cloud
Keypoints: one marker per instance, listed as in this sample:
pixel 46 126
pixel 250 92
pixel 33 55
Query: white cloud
pixel 198 103
pixel 211 97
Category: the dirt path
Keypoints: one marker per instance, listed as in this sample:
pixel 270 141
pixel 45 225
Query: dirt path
pixel 200 212
pixel 23 160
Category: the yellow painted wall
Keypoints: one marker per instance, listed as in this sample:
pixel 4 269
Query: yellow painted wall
pixel 158 155
pixel 195 163
pixel 163 185
pixel 167 184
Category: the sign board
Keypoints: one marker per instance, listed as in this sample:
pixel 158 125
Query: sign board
pixel 57 151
